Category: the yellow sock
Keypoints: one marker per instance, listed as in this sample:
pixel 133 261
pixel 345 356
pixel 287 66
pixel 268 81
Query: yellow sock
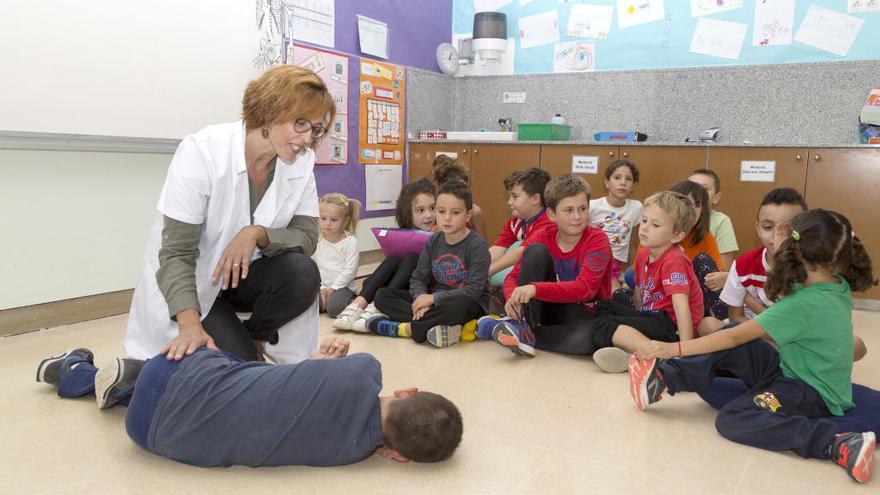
pixel 469 331
pixel 403 330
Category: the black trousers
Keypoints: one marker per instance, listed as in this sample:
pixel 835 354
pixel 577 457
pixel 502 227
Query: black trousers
pixel 397 305
pixel 393 272
pixel 277 290
pixel 773 414
pixel 559 327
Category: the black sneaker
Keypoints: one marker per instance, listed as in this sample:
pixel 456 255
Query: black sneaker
pixel 855 452
pixel 115 381
pixel 645 383
pixel 50 369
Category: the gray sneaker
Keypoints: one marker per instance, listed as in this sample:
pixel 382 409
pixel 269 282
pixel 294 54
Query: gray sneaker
pixel 50 369
pixel 115 381
pixel 444 335
pixel 611 359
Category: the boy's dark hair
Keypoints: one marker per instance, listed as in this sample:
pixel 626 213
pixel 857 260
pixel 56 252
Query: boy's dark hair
pixel 403 214
pixel 616 164
pixel 563 187
pixel 458 189
pixel 711 174
pixel 701 196
pixel 784 196
pixel 444 169
pixel 424 427
pixel 824 238
pixel 532 180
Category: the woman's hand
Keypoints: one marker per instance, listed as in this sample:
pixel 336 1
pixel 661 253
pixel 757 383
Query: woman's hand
pixel 653 348
pixel 236 258
pixel 190 336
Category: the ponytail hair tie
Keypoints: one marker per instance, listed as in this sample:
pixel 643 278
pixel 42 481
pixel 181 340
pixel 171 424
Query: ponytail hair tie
pixel 795 235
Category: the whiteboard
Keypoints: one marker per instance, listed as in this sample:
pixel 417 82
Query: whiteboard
pixel 154 68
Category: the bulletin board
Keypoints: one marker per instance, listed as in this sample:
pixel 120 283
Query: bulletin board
pixel 583 36
pixel 382 102
pixel 332 68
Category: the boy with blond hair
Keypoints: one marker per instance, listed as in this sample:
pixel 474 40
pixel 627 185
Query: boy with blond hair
pixel 563 272
pixel 668 299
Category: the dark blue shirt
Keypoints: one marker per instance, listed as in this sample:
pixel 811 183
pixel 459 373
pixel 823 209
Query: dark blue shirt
pixel 219 411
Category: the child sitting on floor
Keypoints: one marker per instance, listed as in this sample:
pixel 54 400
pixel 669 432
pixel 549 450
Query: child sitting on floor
pixel 415 210
pixel 719 225
pixel 817 262
pixel 337 252
pixel 449 287
pixel 618 215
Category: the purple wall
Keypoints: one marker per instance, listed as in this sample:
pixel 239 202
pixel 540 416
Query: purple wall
pixel 413 36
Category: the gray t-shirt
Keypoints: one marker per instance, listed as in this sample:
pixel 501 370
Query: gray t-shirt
pixel 220 411
pixel 459 270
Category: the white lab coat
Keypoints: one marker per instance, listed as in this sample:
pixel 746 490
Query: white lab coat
pixel 207 184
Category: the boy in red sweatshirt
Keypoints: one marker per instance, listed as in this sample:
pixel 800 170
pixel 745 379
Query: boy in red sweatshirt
pixel 563 272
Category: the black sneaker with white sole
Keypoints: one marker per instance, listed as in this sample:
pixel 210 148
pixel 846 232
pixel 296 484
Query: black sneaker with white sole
pixel 51 368
pixel 115 381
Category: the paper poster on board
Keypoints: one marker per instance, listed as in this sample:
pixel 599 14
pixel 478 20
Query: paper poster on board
pixel 382 101
pixel 332 68
pixel 383 184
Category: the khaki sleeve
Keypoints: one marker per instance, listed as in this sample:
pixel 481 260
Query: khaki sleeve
pixel 300 235
pixel 176 275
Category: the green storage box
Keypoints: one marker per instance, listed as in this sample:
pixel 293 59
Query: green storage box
pixel 543 132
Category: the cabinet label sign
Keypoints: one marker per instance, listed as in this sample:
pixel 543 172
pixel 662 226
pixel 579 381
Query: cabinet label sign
pixel 583 164
pixel 757 171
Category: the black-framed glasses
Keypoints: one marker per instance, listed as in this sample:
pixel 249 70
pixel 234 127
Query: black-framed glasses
pixel 303 126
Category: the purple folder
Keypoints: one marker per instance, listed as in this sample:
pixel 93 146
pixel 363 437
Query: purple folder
pixel 400 242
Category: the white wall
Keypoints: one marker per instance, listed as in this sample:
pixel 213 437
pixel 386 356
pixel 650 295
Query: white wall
pixel 76 223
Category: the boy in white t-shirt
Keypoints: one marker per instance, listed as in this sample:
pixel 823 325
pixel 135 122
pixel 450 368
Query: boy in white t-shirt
pixel 616 215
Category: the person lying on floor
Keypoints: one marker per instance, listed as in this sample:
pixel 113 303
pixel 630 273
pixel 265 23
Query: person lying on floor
pixel 213 409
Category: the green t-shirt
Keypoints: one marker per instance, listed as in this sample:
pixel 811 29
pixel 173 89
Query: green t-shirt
pixel 813 328
pixel 722 228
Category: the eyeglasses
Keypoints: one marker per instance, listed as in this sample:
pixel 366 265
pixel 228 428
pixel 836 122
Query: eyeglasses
pixel 303 126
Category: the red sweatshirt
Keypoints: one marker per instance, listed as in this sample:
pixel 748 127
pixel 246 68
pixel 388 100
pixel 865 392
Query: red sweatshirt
pixel 582 274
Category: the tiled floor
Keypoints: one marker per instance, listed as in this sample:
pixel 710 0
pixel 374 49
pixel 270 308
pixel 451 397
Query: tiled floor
pixel 554 424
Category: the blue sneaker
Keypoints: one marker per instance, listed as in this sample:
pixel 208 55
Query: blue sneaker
pixel 50 369
pixel 486 324
pixel 115 382
pixel 516 335
pixel 381 325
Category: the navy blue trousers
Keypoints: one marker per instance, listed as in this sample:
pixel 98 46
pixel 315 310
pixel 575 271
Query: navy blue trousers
pixel 148 390
pixel 773 414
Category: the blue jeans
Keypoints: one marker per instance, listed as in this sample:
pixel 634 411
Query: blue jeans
pixel 148 391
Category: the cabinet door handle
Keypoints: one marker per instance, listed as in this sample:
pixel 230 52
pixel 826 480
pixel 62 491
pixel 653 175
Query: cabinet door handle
pixel 464 151
pixel 797 157
pixel 610 153
pixel 817 158
pixel 625 154
pixel 476 151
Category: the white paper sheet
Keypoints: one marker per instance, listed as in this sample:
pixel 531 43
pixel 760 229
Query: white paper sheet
pixel 489 5
pixel 634 12
pixel 706 7
pixel 538 29
pixel 383 183
pixel 312 21
pixel 828 30
pixel 525 2
pixel 853 6
pixel 268 17
pixel 774 22
pixel 584 164
pixel 574 56
pixel 757 171
pixel 373 37
pixel 590 21
pixel 718 38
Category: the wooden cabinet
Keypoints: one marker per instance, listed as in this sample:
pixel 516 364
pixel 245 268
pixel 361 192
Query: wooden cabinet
pixel 848 182
pixel 740 200
pixel 421 155
pixel 556 159
pixel 490 164
pixel 662 166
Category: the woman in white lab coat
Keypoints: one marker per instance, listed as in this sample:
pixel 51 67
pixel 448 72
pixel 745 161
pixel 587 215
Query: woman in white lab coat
pixel 236 227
